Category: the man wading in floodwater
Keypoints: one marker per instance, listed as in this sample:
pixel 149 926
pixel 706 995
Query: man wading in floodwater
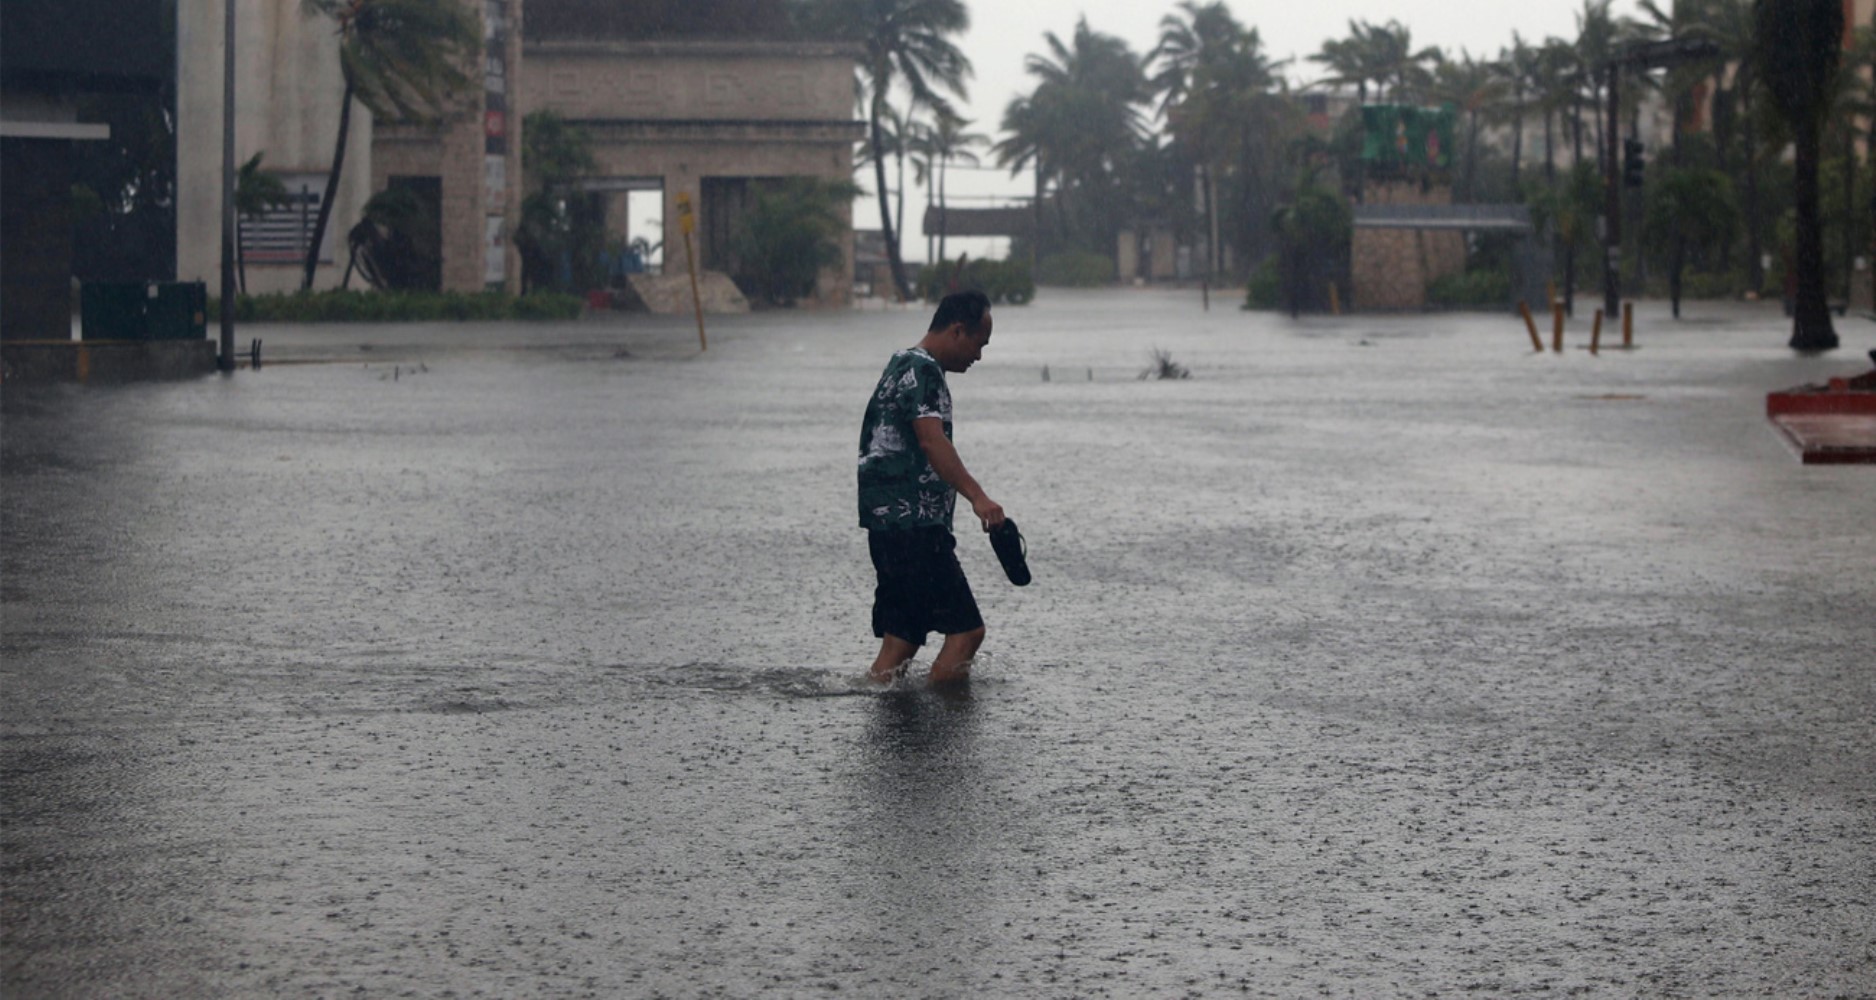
pixel 910 476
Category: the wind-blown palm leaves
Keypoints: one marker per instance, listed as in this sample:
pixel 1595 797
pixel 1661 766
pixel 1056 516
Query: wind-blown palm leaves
pixel 942 142
pixel 401 59
pixel 908 45
pixel 1798 53
pixel 1228 113
pixel 1080 126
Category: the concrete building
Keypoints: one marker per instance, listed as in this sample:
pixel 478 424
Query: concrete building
pixel 287 101
pixel 690 112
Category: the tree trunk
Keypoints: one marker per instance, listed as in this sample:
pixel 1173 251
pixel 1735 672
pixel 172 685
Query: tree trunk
pixel 930 255
pixel 1569 278
pixel 885 204
pixel 1755 245
pixel 1550 150
pixel 1811 328
pixel 332 189
pixel 241 259
pixel 898 219
pixel 944 223
pixel 1517 142
pixel 1472 152
pixel 1850 212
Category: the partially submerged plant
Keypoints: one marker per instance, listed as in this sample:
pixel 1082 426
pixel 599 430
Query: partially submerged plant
pixel 1165 367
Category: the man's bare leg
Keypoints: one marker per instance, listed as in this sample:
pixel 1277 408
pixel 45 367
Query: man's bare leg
pixel 893 651
pixel 954 658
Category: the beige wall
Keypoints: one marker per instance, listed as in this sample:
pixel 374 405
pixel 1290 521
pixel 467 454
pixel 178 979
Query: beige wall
pixel 690 81
pixel 287 97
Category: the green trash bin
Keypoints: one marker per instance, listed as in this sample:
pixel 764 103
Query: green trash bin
pixel 144 310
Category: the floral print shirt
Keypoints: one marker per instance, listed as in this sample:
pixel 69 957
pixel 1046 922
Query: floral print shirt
pixel 898 487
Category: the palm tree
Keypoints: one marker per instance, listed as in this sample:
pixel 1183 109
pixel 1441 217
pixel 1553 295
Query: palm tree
pixel 1798 44
pixel 1347 60
pixel 255 192
pixel 400 59
pixel 1517 67
pixel 1474 87
pixel 944 142
pixel 1219 98
pixel 907 42
pixel 1083 121
pixel 1407 72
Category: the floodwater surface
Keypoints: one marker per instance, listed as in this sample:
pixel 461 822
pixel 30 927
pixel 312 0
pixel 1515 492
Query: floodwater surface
pixel 1380 657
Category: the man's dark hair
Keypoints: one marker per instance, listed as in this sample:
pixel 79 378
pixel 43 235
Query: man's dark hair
pixel 967 308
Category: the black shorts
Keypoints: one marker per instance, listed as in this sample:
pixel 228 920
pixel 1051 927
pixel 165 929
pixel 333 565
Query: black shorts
pixel 921 586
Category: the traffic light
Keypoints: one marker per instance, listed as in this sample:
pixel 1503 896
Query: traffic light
pixel 1633 165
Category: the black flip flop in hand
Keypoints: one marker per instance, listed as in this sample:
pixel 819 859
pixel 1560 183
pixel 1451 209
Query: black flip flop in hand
pixel 1012 551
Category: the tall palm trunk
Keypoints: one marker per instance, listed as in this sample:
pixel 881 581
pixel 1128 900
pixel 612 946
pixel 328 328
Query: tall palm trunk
pixel 332 188
pixel 1550 150
pixel 885 203
pixel 944 221
pixel 1755 244
pixel 1517 141
pixel 930 255
pixel 1811 327
pixel 898 220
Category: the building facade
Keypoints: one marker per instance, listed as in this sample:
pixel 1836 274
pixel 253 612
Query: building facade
pixel 711 120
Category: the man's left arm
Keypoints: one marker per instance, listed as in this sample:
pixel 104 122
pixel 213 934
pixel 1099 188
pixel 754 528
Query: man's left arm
pixel 943 456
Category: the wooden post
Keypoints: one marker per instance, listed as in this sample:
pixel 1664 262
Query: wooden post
pixel 1556 327
pixel 687 222
pixel 1537 342
pixel 1628 325
pixel 1335 300
pixel 1595 333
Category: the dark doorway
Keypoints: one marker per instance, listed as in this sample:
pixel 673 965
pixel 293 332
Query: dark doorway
pixel 424 230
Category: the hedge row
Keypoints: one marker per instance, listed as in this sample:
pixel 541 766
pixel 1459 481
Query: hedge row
pixel 398 307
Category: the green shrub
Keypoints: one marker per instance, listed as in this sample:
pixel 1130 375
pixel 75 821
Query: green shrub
pixel 1714 285
pixel 1470 288
pixel 1076 269
pixel 1002 280
pixel 339 306
pixel 1265 289
pixel 790 236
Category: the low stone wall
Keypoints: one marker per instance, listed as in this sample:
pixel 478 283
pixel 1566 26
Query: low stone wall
pixel 1391 267
pixel 39 362
pixel 669 294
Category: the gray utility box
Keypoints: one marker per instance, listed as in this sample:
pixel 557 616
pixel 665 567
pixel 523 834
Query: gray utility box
pixel 144 310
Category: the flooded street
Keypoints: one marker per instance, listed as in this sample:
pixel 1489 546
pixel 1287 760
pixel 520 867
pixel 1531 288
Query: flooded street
pixel 1381 657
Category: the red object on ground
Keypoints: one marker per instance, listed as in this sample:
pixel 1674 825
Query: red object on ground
pixel 599 298
pixel 1829 424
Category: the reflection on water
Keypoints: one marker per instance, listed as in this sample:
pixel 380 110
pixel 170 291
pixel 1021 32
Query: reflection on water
pixel 919 819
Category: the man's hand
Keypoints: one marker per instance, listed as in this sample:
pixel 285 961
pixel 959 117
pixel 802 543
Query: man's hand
pixel 988 511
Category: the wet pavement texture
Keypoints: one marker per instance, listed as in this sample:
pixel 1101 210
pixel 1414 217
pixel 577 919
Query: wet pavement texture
pixel 1381 657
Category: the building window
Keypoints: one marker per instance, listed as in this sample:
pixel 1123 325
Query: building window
pixel 281 234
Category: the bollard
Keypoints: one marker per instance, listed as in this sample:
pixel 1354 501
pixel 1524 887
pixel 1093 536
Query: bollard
pixel 1550 292
pixel 1335 300
pixel 1595 332
pixel 1524 309
pixel 1045 373
pixel 1628 326
pixel 1556 328
pixel 1090 374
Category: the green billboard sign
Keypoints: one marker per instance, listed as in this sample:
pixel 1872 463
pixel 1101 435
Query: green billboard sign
pixel 1406 138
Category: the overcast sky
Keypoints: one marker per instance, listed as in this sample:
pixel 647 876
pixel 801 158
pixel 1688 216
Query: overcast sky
pixel 1004 31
